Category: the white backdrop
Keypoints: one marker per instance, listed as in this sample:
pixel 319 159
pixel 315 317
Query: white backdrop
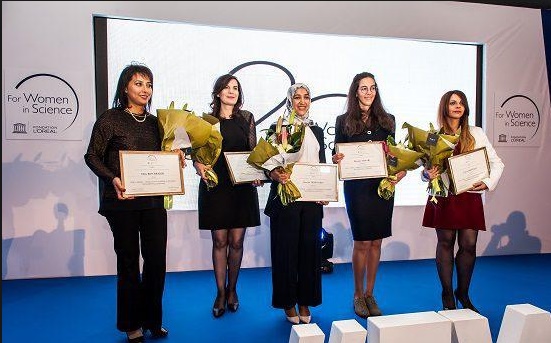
pixel 188 67
pixel 50 225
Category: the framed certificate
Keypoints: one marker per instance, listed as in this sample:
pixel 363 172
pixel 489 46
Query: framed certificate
pixel 240 170
pixel 146 173
pixel 468 168
pixel 316 182
pixel 362 160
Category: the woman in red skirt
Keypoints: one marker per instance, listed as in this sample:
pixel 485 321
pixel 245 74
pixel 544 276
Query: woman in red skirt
pixel 459 217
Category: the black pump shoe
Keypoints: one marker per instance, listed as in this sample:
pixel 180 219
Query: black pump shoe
pixel 157 333
pixel 448 302
pixel 234 305
pixel 139 339
pixel 465 301
pixel 217 312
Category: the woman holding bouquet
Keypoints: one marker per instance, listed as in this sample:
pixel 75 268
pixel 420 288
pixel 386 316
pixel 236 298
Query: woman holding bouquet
pixel 139 222
pixel 295 228
pixel 226 209
pixel 459 217
pixel 370 215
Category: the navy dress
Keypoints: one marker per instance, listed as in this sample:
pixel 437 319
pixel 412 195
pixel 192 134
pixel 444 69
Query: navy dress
pixel 370 215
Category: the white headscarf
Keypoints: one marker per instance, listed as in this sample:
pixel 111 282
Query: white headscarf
pixel 309 152
pixel 289 103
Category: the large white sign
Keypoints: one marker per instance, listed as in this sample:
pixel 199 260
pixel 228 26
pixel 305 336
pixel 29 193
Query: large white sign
pixel 517 120
pixel 411 76
pixel 41 105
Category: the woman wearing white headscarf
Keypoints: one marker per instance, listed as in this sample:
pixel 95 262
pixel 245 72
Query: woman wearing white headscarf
pixel 295 228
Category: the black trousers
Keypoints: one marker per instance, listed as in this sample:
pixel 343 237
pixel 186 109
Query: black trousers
pixel 139 299
pixel 295 233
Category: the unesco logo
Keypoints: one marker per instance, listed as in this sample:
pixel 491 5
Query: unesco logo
pixel 19 128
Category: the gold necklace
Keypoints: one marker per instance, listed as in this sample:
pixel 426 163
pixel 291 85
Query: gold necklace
pixel 135 115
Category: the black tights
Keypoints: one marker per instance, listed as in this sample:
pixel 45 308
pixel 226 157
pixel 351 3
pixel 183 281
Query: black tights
pixel 227 253
pixel 464 259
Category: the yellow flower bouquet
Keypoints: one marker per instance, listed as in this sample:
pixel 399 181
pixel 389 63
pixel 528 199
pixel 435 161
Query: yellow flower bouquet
pixel 399 158
pixel 281 149
pixel 182 129
pixel 436 148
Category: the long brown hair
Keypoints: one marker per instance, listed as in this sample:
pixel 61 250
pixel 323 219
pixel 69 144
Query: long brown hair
pixel 219 85
pixel 466 139
pixel 353 123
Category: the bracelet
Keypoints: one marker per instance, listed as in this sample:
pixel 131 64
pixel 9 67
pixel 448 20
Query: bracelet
pixel 426 174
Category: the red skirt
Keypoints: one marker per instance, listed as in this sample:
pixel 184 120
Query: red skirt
pixel 463 211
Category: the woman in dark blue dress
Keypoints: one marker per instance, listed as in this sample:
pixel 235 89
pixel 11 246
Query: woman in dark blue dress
pixel 370 215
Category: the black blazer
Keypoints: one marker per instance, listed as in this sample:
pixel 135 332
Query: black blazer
pixel 274 205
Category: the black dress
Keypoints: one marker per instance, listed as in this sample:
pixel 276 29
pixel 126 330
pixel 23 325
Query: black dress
pixel 228 206
pixel 370 215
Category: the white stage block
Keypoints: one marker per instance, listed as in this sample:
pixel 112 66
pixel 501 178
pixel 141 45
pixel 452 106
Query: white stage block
pixel 347 331
pixel 525 323
pixel 419 327
pixel 468 326
pixel 306 333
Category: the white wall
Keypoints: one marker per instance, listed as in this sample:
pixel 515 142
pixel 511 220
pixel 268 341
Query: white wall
pixel 50 225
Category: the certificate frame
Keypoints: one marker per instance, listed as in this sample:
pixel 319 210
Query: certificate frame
pixel 468 168
pixel 149 173
pixel 316 181
pixel 366 160
pixel 240 171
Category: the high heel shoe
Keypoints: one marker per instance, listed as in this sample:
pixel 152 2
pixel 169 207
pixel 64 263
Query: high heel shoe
pixel 448 302
pixel 465 301
pixel 138 339
pixel 232 306
pixel 291 315
pixel 307 318
pixel 135 339
pixel 157 333
pixel 217 312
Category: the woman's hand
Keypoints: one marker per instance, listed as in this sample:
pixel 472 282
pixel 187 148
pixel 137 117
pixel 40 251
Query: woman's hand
pixel 182 157
pixel 399 176
pixel 337 157
pixel 258 183
pixel 279 175
pixel 431 173
pixel 200 168
pixel 479 186
pixel 117 184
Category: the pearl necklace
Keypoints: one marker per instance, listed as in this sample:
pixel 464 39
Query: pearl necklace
pixel 135 115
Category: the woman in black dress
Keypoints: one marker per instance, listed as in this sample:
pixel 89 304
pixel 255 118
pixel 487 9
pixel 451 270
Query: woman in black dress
pixel 227 209
pixel 459 217
pixel 295 229
pixel 370 215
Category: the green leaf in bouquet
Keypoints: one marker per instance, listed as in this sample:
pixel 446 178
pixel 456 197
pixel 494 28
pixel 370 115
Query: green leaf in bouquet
pixel 386 188
pixel 261 153
pixel 406 159
pixel 208 154
pixel 416 137
pixel 288 192
pixel 170 120
pixel 296 139
pixel 210 119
